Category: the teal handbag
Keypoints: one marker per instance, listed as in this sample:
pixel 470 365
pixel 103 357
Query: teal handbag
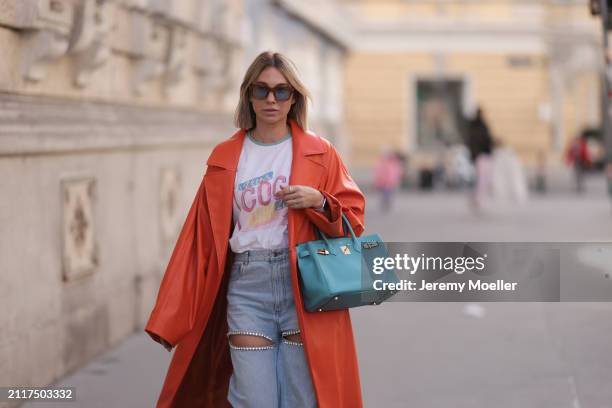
pixel 336 273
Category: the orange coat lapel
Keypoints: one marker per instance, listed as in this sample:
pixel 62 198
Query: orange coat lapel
pixel 307 168
pixel 219 181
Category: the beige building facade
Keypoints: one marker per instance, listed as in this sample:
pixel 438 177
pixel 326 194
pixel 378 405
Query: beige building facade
pixel 534 67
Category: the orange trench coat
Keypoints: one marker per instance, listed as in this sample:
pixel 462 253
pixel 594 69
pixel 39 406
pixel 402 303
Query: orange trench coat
pixel 191 305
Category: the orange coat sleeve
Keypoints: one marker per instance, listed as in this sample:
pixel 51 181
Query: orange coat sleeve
pixel 343 196
pixel 183 283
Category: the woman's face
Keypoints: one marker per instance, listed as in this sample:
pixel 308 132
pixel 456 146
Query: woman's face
pixel 270 110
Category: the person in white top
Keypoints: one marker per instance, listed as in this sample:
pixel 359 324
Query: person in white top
pixel 231 292
pixel 262 196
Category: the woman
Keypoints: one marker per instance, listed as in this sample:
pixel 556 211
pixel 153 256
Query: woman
pixel 230 297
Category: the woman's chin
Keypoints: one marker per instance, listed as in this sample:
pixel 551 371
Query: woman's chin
pixel 269 119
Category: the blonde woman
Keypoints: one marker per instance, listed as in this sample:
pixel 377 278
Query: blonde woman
pixel 230 297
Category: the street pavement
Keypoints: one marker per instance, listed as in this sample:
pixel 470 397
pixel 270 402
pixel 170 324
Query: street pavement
pixel 430 355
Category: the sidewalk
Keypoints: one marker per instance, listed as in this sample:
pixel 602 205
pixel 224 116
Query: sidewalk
pixel 429 355
pixel 128 376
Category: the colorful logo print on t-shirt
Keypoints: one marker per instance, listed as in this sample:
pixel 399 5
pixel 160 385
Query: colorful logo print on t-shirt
pixel 258 205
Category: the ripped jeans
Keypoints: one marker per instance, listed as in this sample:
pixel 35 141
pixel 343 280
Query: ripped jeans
pixel 273 373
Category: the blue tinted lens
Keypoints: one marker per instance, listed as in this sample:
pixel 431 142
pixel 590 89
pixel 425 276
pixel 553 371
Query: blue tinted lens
pixel 260 92
pixel 282 93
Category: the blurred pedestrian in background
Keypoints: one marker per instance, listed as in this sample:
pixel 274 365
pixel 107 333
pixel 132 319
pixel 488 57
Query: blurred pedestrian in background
pixel 480 144
pixel 608 171
pixel 540 172
pixel 577 156
pixel 508 179
pixel 388 173
pixel 404 160
pixel 458 169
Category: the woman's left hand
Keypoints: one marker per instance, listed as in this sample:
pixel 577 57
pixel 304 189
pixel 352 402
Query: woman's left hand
pixel 296 196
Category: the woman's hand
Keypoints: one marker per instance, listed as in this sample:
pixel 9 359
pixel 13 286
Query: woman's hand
pixel 297 196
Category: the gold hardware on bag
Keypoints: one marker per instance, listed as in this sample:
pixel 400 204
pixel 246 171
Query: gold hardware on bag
pixel 345 250
pixel 322 251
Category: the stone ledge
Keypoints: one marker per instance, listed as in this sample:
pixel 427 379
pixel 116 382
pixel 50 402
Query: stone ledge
pixel 33 125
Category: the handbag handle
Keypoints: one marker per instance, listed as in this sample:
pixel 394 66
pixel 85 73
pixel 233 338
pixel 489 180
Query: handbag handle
pixel 345 221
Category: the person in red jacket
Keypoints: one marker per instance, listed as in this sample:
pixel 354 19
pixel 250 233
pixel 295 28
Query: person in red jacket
pixel 230 299
pixel 577 156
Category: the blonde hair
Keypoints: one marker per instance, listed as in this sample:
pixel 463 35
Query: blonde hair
pixel 245 115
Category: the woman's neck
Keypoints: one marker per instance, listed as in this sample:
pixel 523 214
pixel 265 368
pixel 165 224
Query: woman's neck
pixel 270 133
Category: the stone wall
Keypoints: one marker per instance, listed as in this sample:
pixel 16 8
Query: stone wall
pixel 148 52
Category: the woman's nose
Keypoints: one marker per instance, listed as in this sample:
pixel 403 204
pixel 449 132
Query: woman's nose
pixel 270 97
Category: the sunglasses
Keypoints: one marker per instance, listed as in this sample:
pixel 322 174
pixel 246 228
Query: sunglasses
pixel 281 92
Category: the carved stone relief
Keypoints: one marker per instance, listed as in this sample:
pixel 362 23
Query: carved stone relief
pixel 150 65
pixel 232 25
pixel 154 34
pixel 137 4
pixel 37 14
pixel 46 25
pixel 234 62
pixel 80 251
pixel 41 48
pixel 89 39
pixel 169 198
pixel 209 65
pixel 160 6
pixel 176 56
pixel 203 15
pixel 217 21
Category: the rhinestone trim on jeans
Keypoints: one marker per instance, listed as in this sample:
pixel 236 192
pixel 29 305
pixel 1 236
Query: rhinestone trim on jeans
pixel 250 333
pixel 292 343
pixel 251 347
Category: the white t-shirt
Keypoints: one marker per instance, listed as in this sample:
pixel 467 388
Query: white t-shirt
pixel 260 220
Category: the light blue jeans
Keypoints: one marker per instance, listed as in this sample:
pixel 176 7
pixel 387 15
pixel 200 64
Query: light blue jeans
pixel 260 303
